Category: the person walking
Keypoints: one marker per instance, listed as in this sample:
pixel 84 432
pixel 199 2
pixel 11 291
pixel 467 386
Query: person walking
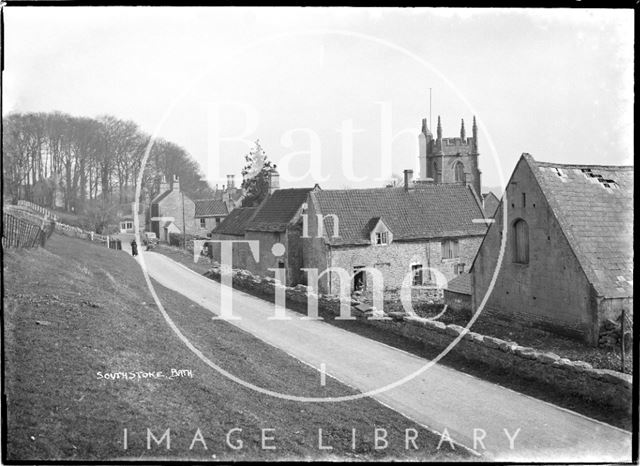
pixel 134 248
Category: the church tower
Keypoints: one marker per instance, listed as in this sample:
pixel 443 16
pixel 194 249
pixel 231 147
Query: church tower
pixel 449 160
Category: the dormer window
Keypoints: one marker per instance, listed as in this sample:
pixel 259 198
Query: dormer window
pixel 382 237
pixel 380 234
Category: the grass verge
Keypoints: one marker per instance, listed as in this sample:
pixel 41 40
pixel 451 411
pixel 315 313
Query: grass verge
pixel 74 309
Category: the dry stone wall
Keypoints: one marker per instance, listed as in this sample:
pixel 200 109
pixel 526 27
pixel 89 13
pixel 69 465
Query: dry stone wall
pixel 579 378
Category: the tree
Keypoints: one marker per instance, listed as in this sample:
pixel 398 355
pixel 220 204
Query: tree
pixel 256 175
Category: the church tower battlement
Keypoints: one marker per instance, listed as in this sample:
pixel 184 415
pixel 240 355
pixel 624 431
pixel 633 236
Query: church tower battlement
pixel 449 160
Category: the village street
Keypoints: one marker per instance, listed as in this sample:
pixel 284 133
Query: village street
pixel 439 398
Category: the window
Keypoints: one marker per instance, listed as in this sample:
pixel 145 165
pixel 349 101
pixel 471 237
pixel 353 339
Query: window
pixel 524 200
pixel 450 249
pixel 416 273
pixel 382 237
pixel 521 242
pixel 203 223
pixel 281 264
pixel 459 269
pixel 459 172
pixel 129 225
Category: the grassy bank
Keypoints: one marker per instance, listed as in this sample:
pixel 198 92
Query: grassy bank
pixel 73 310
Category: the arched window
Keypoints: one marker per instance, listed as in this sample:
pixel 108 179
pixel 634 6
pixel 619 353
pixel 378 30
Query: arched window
pixel 459 172
pixel 521 242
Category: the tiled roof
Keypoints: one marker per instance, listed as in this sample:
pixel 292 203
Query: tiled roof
pixel 210 208
pixel 460 284
pixel 428 211
pixel 594 206
pixel 236 222
pixel 279 209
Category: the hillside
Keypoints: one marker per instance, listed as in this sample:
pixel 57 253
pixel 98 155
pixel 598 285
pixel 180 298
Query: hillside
pixel 75 309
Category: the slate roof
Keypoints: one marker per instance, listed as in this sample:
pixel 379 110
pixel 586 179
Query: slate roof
pixel 460 284
pixel 210 208
pixel 279 209
pixel 236 222
pixel 428 211
pixel 597 220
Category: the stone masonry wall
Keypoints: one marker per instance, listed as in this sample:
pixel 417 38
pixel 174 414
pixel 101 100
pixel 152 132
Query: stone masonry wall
pixel 578 378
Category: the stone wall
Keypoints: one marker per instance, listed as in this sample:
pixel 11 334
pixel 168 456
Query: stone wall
pixel 577 378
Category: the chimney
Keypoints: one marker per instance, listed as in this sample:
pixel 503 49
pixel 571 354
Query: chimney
pixel 408 178
pixel 176 183
pixel 274 180
pixel 231 181
pixel 164 186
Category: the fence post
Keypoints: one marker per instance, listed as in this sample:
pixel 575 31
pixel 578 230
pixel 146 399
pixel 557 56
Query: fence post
pixel 92 236
pixel 108 245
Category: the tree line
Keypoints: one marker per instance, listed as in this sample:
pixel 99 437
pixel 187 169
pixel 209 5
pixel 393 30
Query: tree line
pixel 88 163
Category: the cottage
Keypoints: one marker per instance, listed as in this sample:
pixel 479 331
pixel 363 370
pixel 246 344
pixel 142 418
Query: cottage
pixel 424 231
pixel 232 228
pixel 276 222
pixel 126 216
pixel 568 262
pixel 209 213
pixel 172 211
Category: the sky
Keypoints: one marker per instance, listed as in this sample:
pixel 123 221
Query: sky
pixel 335 95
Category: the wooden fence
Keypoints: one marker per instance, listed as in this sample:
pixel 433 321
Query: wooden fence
pixel 37 208
pixel 20 227
pixel 19 232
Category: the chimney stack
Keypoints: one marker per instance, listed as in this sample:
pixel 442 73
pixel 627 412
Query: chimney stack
pixel 408 178
pixel 274 180
pixel 231 181
pixel 164 186
pixel 176 183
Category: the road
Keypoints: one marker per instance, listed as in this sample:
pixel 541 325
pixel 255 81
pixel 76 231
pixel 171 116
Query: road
pixel 439 398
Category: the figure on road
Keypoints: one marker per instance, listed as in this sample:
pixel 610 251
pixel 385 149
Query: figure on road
pixel 134 248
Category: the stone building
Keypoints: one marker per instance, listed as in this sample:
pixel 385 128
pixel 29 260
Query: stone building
pixel 278 221
pixel 209 213
pixel 568 262
pixel 172 211
pixel 411 231
pixel 457 294
pixel 232 228
pixel 229 194
pixel 450 160
pixel 490 203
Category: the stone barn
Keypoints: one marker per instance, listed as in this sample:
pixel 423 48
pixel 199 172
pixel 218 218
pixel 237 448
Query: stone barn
pixel 568 262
